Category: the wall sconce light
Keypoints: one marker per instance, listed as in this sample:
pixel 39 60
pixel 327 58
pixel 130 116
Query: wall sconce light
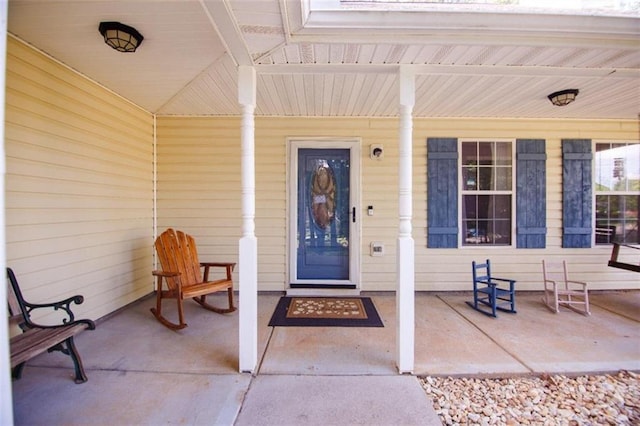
pixel 376 152
pixel 121 37
pixel 563 97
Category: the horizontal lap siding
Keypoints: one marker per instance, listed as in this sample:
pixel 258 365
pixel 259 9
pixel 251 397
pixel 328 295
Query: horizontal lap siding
pixel 198 183
pixel 445 269
pixel 208 201
pixel 79 194
pixel 201 192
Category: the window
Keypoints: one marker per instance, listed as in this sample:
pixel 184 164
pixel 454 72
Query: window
pixel 487 192
pixel 489 187
pixel 617 188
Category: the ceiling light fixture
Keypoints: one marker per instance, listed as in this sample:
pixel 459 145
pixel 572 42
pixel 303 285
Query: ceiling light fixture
pixel 563 97
pixel 121 37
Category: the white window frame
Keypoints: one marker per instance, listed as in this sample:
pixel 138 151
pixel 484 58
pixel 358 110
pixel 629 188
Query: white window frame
pixel 596 192
pixel 462 192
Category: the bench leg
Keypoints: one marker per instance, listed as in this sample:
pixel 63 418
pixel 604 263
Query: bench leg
pixel 71 350
pixel 16 372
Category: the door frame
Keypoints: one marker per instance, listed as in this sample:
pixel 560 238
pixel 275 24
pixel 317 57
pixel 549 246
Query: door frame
pixel 354 146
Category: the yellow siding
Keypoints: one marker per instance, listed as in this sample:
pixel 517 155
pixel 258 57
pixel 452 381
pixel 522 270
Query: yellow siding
pixel 450 269
pixel 79 188
pixel 199 191
pixel 198 186
pixel 79 193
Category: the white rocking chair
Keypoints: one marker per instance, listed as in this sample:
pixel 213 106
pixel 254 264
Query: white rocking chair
pixel 559 290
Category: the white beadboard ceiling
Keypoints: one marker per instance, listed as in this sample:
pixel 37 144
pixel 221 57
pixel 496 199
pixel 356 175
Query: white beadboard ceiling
pixel 344 62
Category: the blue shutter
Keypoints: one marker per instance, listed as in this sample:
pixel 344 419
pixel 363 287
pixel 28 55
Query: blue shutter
pixel 531 199
pixel 576 193
pixel 442 193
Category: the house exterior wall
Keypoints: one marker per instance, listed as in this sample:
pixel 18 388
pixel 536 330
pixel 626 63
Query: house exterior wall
pixel 80 189
pixel 199 183
pixel 79 186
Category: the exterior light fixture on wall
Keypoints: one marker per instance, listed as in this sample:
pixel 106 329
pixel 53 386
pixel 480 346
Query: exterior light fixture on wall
pixel 121 37
pixel 376 152
pixel 563 97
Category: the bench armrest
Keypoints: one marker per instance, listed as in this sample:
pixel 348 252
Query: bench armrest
pixel 62 305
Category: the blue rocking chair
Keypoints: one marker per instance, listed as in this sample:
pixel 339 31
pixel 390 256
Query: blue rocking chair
pixel 490 293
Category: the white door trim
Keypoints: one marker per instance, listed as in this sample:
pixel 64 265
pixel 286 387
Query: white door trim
pixel 354 145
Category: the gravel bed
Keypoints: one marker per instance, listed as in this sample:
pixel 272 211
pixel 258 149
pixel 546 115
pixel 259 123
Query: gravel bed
pixel 608 399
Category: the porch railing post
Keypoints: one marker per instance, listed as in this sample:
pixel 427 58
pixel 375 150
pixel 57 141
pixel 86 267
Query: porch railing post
pixel 405 296
pixel 248 246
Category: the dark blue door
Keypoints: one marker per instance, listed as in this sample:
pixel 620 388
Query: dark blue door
pixel 323 217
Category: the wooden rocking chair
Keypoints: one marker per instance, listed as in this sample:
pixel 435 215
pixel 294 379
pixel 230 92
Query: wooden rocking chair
pixel 559 290
pixel 181 271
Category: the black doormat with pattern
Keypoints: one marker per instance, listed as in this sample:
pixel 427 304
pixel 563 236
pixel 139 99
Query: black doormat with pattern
pixel 325 312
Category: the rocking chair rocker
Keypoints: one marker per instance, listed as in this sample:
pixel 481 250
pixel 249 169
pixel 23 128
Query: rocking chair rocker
pixel 181 271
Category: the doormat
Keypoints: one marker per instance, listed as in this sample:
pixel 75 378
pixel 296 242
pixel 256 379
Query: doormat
pixel 325 312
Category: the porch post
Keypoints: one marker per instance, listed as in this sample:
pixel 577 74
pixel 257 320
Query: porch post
pixel 248 248
pixel 405 294
pixel 6 401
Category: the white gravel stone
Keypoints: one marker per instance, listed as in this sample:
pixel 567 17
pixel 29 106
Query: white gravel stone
pixel 609 399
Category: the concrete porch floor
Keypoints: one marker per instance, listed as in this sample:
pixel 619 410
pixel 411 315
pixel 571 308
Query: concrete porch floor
pixel 142 373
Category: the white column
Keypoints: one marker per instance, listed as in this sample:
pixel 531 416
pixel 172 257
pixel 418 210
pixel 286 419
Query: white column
pixel 248 248
pixel 405 294
pixel 6 404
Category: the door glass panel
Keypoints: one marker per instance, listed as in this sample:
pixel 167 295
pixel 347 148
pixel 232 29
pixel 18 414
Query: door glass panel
pixel 323 214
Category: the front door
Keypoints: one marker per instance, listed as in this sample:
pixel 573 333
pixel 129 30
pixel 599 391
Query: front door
pixel 324 232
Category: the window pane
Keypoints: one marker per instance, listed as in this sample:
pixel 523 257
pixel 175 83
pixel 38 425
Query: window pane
pixel 485 153
pixel 473 235
pixel 602 207
pixel 469 153
pixel 503 153
pixel 631 219
pixel 485 210
pixel 485 178
pixel 502 206
pixel 470 209
pixel 470 178
pixel 503 179
pixel 501 232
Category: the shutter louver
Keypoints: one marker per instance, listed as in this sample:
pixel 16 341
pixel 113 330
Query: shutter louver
pixel 531 199
pixel 442 193
pixel 576 193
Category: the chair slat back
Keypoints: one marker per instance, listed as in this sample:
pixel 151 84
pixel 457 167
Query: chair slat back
pixel 555 271
pixel 481 271
pixel 177 253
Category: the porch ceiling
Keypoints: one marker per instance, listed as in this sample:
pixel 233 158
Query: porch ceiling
pixel 344 62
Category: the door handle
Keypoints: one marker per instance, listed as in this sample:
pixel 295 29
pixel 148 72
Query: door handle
pixel 353 215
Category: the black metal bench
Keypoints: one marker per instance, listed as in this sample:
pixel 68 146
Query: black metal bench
pixel 36 338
